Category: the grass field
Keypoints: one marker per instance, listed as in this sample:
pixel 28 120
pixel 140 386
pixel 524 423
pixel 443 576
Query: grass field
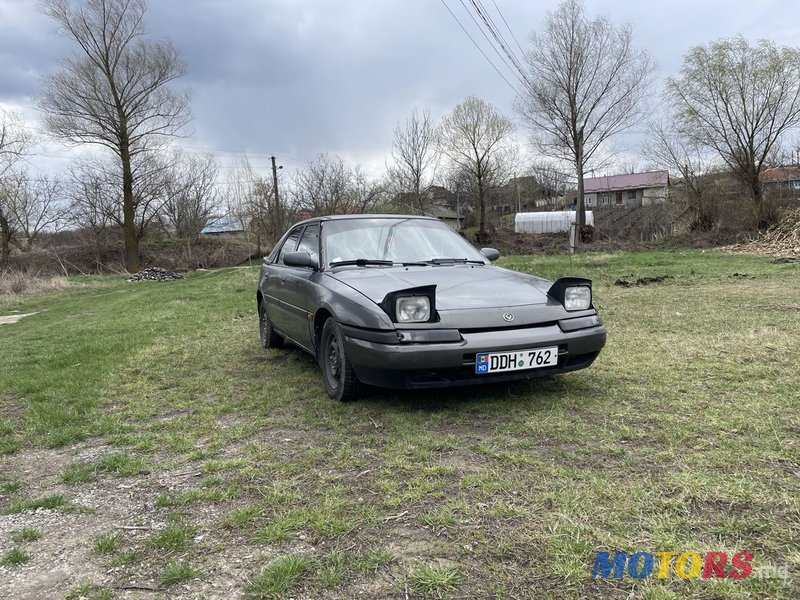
pixel 149 442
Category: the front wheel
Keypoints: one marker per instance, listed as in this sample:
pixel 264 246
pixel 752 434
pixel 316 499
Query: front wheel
pixel 340 380
pixel 269 337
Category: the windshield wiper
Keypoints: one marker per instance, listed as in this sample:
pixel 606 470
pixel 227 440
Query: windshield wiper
pixel 361 262
pixel 450 261
pixel 364 262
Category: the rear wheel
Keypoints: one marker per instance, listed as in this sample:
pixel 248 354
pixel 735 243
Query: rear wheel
pixel 340 380
pixel 269 337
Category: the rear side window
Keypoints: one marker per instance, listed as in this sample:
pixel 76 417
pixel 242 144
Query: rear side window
pixel 310 241
pixel 289 245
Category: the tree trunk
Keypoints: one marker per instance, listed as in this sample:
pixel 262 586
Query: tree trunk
pixel 757 192
pixel 132 258
pixel 5 239
pixel 482 209
pixel 581 216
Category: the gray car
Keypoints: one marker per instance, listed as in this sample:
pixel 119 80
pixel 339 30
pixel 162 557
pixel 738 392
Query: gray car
pixel 405 302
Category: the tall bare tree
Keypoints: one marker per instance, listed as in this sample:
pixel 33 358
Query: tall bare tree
pixel 414 156
pixel 115 91
pixel 15 142
pixel 669 148
pixel 478 140
pixel 585 83
pixel 739 100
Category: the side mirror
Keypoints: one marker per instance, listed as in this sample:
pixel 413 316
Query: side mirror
pixel 490 253
pixel 300 259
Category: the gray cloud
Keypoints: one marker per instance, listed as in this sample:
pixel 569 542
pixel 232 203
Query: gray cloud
pixel 302 77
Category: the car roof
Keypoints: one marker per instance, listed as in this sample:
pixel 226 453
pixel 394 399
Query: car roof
pixel 363 216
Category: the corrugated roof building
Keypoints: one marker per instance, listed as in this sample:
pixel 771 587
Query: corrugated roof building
pixel 635 189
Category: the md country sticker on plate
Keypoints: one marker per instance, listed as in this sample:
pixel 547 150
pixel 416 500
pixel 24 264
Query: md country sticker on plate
pixel 515 360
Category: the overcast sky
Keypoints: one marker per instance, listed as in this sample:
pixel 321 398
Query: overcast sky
pixel 300 77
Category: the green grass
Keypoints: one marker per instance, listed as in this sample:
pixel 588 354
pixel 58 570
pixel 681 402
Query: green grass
pixel 682 436
pixel 10 487
pixel 280 577
pixel 26 534
pixel 121 465
pixel 434 580
pixel 89 592
pixel 14 558
pixel 173 538
pixel 49 502
pixel 106 544
pixel 176 572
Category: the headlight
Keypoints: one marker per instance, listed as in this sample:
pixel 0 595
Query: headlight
pixel 413 309
pixel 578 297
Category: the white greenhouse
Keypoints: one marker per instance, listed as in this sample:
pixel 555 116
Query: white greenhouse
pixel 548 222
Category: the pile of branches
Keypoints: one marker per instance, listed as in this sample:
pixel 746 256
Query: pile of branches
pixel 782 239
pixel 155 274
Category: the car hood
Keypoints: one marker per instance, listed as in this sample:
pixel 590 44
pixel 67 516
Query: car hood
pixel 457 286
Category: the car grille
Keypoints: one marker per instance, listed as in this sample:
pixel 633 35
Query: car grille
pixel 507 327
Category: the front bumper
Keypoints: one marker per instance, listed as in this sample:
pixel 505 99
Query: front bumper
pixel 433 365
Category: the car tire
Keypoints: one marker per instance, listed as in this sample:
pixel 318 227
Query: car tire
pixel 340 380
pixel 269 337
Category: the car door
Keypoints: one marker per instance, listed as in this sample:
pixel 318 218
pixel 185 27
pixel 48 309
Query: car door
pixel 273 285
pixel 298 289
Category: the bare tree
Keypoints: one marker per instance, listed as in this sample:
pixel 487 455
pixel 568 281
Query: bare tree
pixel 329 187
pixel 552 177
pixel 115 92
pixel 92 203
pixel 670 149
pixel 586 83
pixel 739 100
pixel 15 141
pixel 477 139
pixel 191 194
pixel 251 201
pixel 414 156
pixel 34 205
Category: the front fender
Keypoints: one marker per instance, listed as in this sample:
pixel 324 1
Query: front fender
pixel 350 307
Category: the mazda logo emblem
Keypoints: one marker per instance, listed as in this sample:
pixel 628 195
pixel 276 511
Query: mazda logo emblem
pixel 508 317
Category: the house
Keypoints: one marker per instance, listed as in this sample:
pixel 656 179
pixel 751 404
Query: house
pixel 628 191
pixel 223 225
pixel 787 178
pixel 447 215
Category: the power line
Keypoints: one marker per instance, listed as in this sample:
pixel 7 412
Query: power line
pixel 488 39
pixel 500 41
pixel 478 47
pixel 499 12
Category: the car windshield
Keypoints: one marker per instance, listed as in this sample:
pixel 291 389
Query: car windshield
pixel 398 240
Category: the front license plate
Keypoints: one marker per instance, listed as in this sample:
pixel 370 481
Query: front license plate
pixel 515 360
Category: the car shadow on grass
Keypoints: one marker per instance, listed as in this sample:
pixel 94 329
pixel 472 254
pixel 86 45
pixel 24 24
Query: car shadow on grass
pixel 535 394
pixel 532 395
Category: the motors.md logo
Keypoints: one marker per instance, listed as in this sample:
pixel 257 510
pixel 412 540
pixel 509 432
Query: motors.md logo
pixel 686 565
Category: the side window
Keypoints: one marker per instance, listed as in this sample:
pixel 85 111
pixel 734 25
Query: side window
pixel 289 245
pixel 310 241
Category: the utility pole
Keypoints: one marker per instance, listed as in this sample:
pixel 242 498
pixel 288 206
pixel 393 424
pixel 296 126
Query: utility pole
pixel 278 224
pixel 458 206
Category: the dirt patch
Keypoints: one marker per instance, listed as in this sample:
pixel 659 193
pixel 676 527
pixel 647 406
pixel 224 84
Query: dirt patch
pixel 14 318
pixel 787 307
pixel 64 558
pixel 641 281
